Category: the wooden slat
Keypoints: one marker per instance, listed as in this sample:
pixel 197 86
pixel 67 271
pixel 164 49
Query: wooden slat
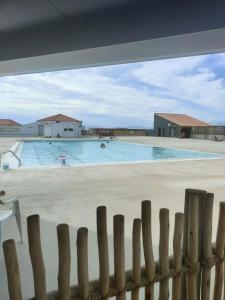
pixel 164 253
pixel 177 254
pixel 34 240
pixel 64 262
pixel 148 249
pixel 136 270
pixel 192 246
pixel 188 192
pixel 103 252
pixel 12 270
pixel 185 244
pixel 207 212
pixel 82 262
pixel 202 198
pixel 119 257
pixel 219 251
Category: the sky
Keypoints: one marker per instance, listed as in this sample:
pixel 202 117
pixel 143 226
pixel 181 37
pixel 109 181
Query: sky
pixel 124 95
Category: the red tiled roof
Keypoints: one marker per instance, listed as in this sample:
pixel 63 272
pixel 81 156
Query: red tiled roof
pixel 60 118
pixel 183 120
pixel 8 122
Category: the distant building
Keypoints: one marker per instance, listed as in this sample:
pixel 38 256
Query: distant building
pixel 180 125
pixel 9 127
pixel 53 126
pixel 59 126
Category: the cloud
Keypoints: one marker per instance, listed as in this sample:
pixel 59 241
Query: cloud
pixel 77 92
pixel 189 79
pixel 122 95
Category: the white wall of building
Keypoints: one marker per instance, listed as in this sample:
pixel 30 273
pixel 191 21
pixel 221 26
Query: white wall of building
pixel 44 128
pixel 30 129
pixel 62 129
pixel 10 130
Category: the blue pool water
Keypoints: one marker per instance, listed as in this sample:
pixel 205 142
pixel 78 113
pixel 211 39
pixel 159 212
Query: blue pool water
pixel 40 153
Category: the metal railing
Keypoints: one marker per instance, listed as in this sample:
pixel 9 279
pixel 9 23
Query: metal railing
pixel 13 153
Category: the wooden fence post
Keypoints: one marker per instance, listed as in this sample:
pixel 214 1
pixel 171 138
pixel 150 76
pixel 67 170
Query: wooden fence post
pixel 34 240
pixel 207 212
pixel 219 252
pixel 177 255
pixel 64 262
pixel 119 257
pixel 12 269
pixel 148 249
pixel 185 244
pixel 103 252
pixel 192 259
pixel 202 198
pixel 164 253
pixel 82 262
pixel 136 270
pixel 201 194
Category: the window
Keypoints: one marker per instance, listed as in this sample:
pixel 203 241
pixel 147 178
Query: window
pixel 68 129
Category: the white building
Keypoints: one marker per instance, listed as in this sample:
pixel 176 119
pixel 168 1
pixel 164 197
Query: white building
pixel 59 126
pixel 9 127
pixel 53 126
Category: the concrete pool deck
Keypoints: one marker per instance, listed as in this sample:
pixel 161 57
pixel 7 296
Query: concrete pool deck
pixel 71 195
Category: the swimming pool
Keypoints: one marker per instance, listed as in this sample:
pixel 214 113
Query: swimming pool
pixel 46 153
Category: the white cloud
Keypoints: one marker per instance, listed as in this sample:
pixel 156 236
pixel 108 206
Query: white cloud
pixel 118 95
pixel 221 58
pixel 185 79
pixel 78 92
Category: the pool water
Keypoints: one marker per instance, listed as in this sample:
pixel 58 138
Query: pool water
pixel 41 153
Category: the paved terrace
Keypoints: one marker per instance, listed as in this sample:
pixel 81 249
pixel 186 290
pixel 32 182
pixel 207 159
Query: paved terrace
pixel 71 195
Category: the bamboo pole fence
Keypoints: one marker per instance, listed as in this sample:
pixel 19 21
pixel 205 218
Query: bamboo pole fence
pixel 189 268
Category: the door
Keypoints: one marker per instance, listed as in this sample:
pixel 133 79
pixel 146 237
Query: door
pixel 172 132
pixel 47 131
pixel 159 131
pixel 40 130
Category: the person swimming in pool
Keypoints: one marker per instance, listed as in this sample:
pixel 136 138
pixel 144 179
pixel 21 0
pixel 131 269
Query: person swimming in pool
pixel 103 145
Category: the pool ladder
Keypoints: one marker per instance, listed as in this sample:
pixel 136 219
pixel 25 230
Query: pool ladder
pixel 13 153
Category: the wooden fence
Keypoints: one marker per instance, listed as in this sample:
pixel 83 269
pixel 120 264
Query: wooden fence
pixel 189 268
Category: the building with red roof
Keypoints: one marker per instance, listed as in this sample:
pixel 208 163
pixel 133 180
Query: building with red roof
pixel 179 125
pixel 9 127
pixel 59 125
